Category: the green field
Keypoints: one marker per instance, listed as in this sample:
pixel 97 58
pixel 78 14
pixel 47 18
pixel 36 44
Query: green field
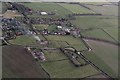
pixel 113 32
pixel 49 7
pixel 98 33
pixel 75 8
pixel 3 7
pixel 53 55
pixel 58 44
pixel 105 10
pixel 85 22
pixel 105 56
pixel 95 3
pixel 45 26
pixel 41 37
pixel 23 40
pixel 65 69
pixel 73 42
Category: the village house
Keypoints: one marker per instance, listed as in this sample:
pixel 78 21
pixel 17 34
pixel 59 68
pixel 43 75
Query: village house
pixel 36 53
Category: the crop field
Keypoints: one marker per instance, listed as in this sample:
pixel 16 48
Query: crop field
pixel 57 9
pixel 104 55
pixel 75 8
pixel 23 40
pixel 18 63
pixel 70 40
pixel 100 34
pixel 65 69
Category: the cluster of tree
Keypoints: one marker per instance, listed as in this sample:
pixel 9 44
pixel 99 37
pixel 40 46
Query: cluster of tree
pixel 21 8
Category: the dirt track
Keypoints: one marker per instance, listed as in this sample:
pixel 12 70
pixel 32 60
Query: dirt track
pixel 18 63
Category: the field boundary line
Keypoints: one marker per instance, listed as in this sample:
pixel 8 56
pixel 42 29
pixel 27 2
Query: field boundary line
pixel 102 40
pixel 109 34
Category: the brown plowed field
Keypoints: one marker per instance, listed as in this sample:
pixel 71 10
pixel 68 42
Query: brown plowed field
pixel 18 63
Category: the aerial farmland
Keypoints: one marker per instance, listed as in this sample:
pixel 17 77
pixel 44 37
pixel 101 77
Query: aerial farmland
pixel 59 40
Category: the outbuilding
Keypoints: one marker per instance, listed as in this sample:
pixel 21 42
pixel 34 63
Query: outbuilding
pixel 44 13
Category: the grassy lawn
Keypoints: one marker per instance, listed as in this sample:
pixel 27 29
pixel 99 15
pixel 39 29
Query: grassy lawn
pixel 23 40
pixel 85 22
pixel 105 56
pixel 98 33
pixel 49 7
pixel 53 55
pixel 75 8
pixel 73 42
pixel 65 69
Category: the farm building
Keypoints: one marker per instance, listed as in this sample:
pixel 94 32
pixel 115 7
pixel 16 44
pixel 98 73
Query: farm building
pixel 36 53
pixel 43 13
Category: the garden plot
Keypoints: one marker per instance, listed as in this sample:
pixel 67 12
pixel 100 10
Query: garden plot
pixel 77 9
pixel 73 42
pixel 65 69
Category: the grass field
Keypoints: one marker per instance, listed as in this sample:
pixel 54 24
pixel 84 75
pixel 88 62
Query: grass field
pixel 85 22
pixel 73 42
pixel 23 40
pixel 53 55
pixel 100 34
pixel 43 26
pixel 105 10
pixel 65 69
pixel 113 32
pixel 3 7
pixel 58 44
pixel 105 56
pixel 17 63
pixel 95 3
pixel 49 7
pixel 99 76
pixel 75 8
